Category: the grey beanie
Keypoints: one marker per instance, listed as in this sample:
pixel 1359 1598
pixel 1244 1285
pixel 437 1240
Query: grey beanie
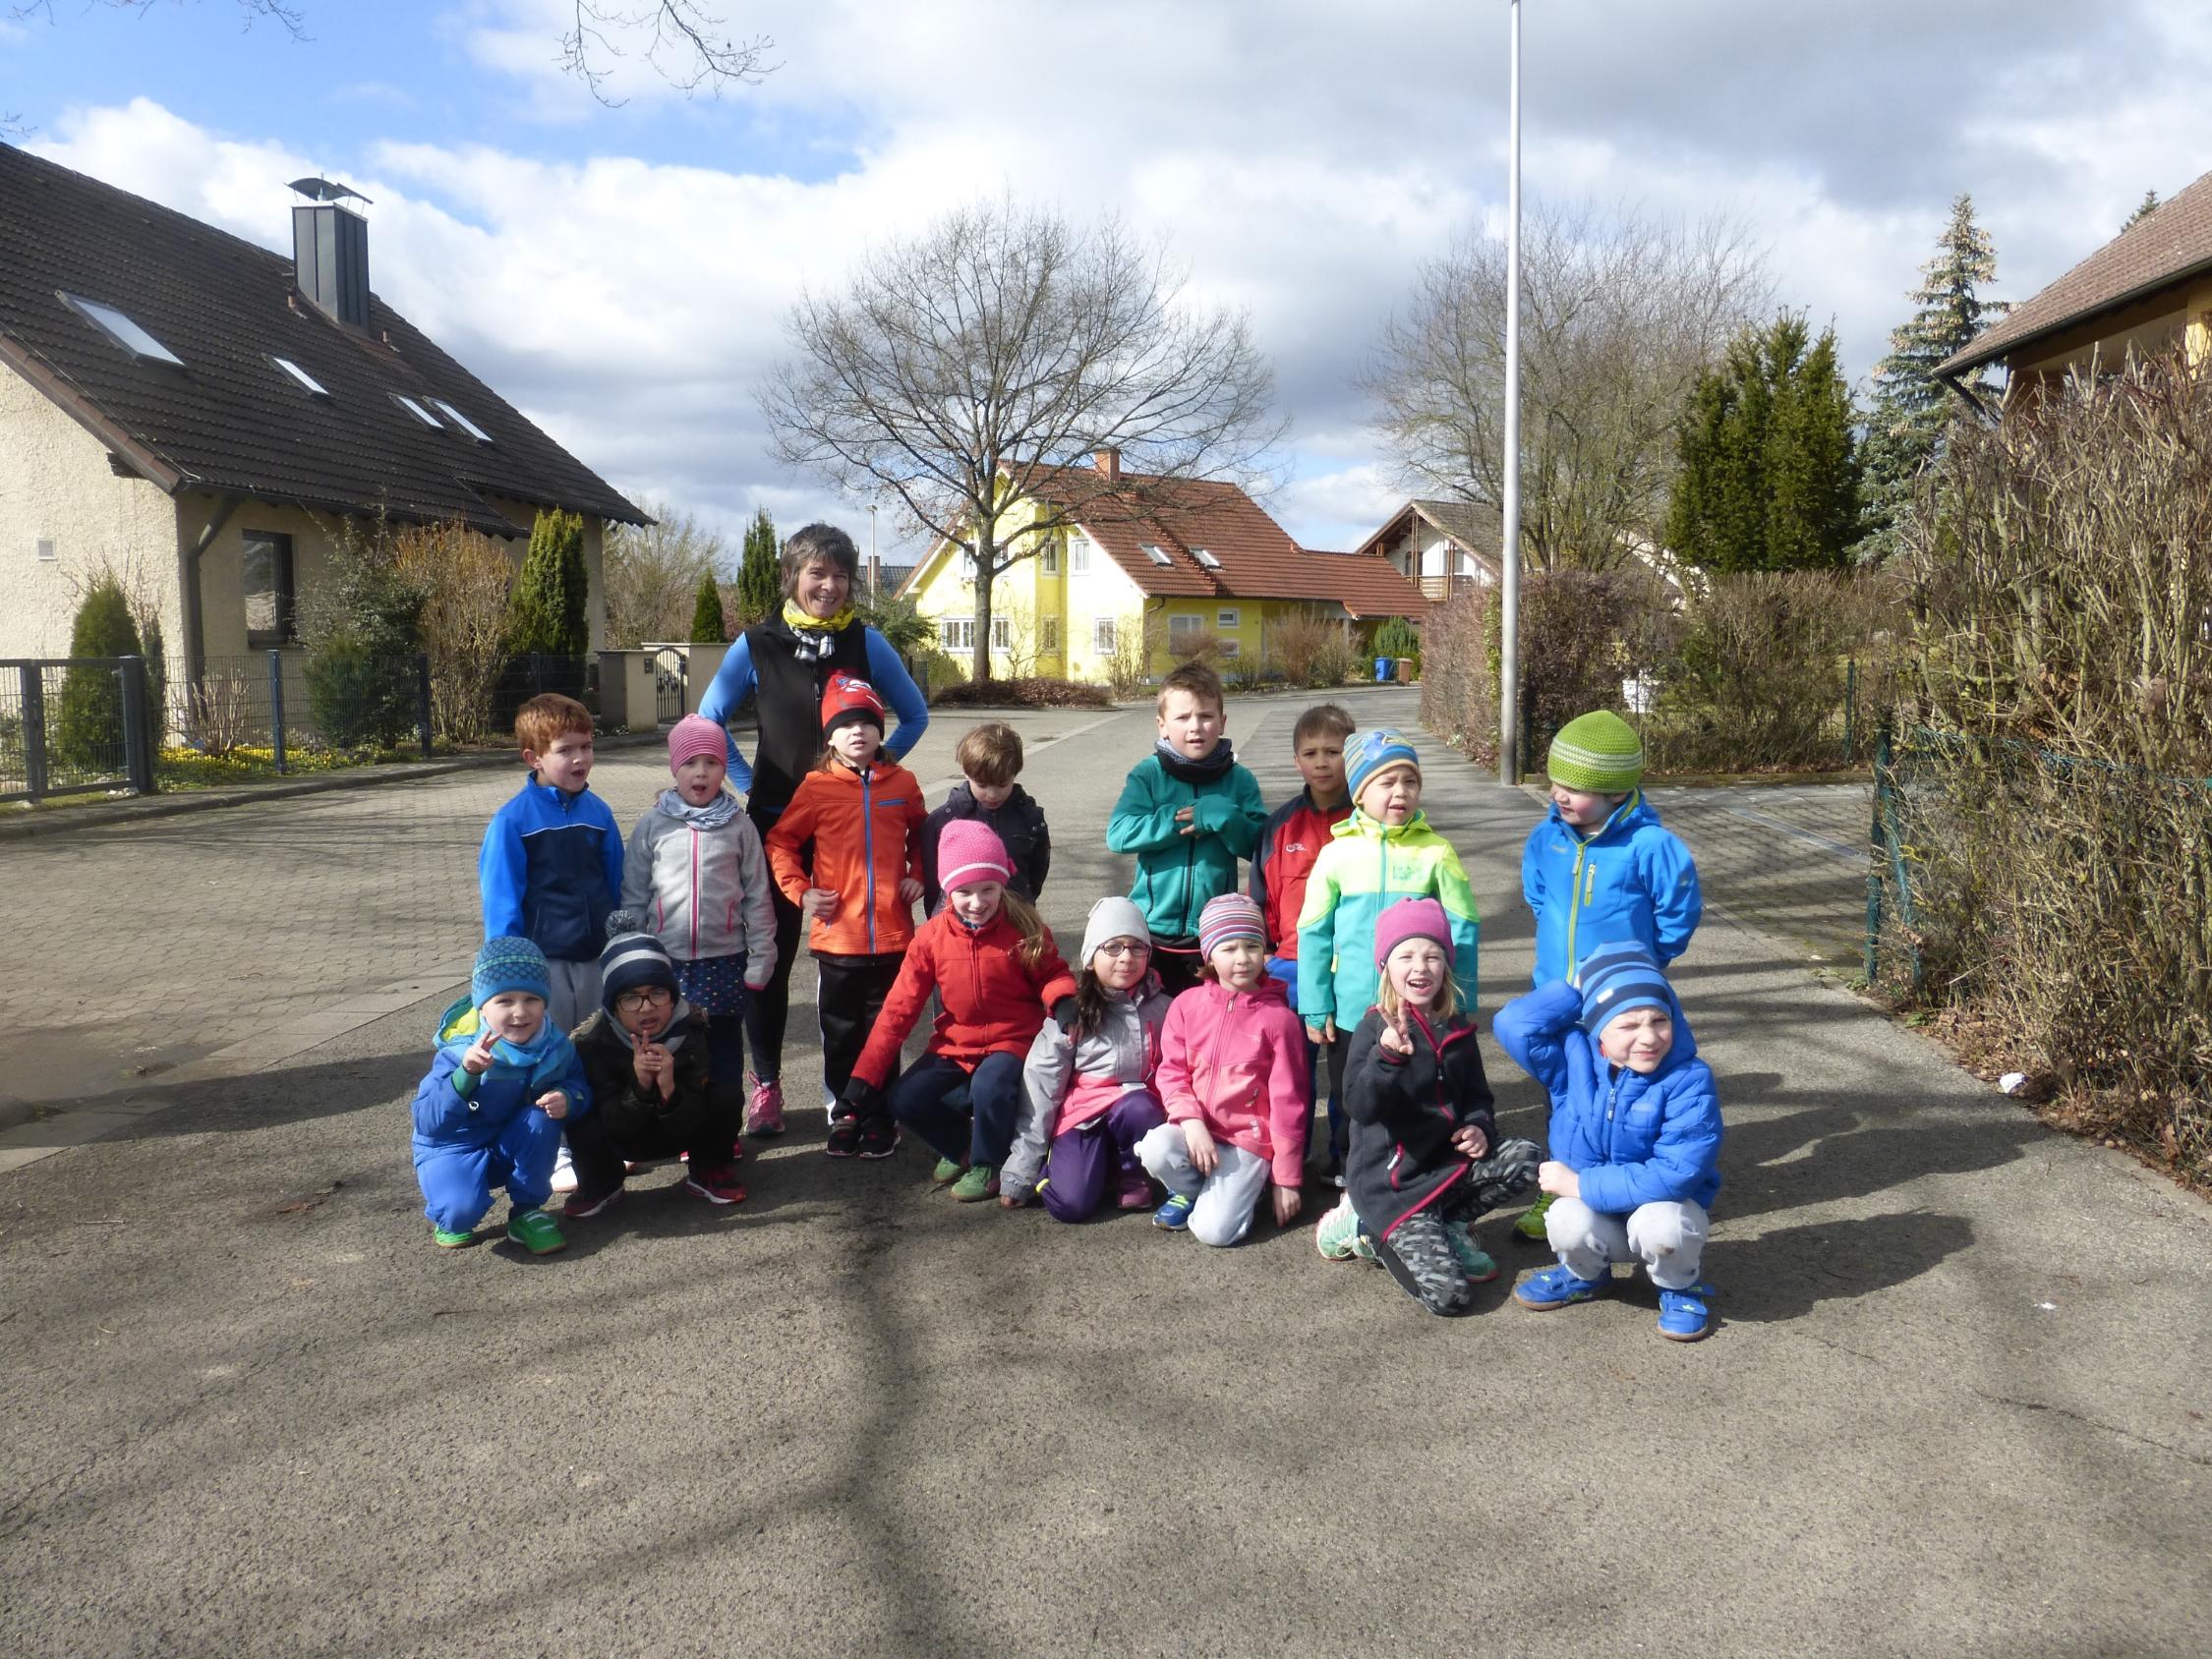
pixel 1111 918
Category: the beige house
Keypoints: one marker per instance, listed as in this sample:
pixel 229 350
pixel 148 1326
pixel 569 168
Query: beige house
pixel 203 416
pixel 1447 547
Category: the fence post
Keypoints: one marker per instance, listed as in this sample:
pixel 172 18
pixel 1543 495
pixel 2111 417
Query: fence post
pixel 138 749
pixel 33 730
pixel 1851 709
pixel 422 698
pixel 1875 846
pixel 276 708
pixel 1528 735
pixel 537 674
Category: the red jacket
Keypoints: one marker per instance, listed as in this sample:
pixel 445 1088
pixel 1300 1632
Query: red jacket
pixel 866 833
pixel 1236 1061
pixel 1289 843
pixel 991 1004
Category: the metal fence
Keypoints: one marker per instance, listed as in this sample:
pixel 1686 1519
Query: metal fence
pixel 73 726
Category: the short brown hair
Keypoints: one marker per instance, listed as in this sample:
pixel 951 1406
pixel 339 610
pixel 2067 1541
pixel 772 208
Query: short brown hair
pixel 1323 719
pixel 824 541
pixel 1201 681
pixel 545 717
pixel 990 753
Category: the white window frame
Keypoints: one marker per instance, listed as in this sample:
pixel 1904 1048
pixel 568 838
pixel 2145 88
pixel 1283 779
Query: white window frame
pixel 1050 558
pixel 956 633
pixel 121 328
pixel 1183 624
pixel 1002 632
pixel 1079 554
pixel 1229 618
pixel 1102 635
pixel 1231 648
pixel 1048 635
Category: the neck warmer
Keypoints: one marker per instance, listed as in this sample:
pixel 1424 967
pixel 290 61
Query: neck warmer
pixel 541 1061
pixel 1184 770
pixel 816 635
pixel 671 1036
pixel 713 816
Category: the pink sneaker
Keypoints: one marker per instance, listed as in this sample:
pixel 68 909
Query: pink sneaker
pixel 1136 1190
pixel 763 1115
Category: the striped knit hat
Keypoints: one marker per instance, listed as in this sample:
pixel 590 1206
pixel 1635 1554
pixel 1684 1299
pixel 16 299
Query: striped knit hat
pixel 968 852
pixel 1232 916
pixel 1373 751
pixel 630 961
pixel 1599 752
pixel 509 964
pixel 1616 978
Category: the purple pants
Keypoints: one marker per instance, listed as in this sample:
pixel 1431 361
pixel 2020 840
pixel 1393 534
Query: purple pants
pixel 1081 1160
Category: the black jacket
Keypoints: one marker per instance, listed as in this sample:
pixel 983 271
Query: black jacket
pixel 788 697
pixel 1019 823
pixel 1404 1111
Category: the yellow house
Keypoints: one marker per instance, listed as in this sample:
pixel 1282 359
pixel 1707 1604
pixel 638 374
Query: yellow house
pixel 1138 572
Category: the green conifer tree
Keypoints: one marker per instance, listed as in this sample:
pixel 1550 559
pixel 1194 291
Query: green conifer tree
pixel 88 731
pixel 706 611
pixel 1771 470
pixel 760 583
pixel 554 589
pixel 2143 210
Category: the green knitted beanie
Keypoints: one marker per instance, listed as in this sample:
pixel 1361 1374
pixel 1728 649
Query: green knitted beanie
pixel 1599 752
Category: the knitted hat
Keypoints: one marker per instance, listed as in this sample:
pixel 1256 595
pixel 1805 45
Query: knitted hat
pixel 1616 978
pixel 695 735
pixel 1599 752
pixel 1412 918
pixel 1112 918
pixel 1230 917
pixel 968 852
pixel 509 964
pixel 632 960
pixel 849 700
pixel 1373 751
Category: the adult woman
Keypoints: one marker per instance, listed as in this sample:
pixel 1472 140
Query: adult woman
pixel 787 663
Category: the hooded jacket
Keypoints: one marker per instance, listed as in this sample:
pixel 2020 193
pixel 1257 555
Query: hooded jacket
pixel 1176 874
pixel 989 1002
pixel 866 830
pixel 703 893
pixel 1068 1081
pixel 1017 822
pixel 1405 1109
pixel 1236 1061
pixel 1630 881
pixel 609 1059
pixel 1366 867
pixel 1290 843
pixel 1631 1138
pixel 549 870
pixel 453 1109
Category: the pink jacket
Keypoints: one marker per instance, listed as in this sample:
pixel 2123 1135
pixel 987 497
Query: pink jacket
pixel 1237 1062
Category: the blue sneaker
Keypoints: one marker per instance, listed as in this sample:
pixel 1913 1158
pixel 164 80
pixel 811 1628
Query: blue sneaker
pixel 1174 1215
pixel 1683 1316
pixel 1556 1287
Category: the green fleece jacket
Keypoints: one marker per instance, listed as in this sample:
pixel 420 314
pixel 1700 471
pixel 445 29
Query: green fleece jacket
pixel 1176 874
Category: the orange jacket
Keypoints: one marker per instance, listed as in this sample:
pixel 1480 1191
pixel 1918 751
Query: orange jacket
pixel 866 830
pixel 991 1005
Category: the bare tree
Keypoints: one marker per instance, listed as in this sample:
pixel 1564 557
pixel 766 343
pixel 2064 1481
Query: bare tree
pixel 652 575
pixel 1620 314
pixel 972 372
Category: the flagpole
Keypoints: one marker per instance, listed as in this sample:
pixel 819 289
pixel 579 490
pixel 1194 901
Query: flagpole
pixel 1510 528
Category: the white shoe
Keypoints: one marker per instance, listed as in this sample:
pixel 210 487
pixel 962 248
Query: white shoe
pixel 564 1169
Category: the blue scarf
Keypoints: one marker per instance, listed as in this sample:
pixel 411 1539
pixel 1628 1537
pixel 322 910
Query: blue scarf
pixel 713 816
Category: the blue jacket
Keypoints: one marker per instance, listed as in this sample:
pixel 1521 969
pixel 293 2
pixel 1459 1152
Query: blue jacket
pixel 1632 1139
pixel 550 870
pixel 454 1110
pixel 1631 881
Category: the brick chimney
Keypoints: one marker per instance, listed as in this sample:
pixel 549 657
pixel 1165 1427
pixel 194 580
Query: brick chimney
pixel 1109 464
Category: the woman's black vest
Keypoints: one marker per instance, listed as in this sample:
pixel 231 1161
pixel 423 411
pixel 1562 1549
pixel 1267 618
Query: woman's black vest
pixel 789 702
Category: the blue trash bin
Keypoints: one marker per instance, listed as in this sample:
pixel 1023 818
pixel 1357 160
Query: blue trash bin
pixel 1385 666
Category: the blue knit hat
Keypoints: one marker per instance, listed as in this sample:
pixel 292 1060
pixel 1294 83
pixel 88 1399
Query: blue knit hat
pixel 1616 978
pixel 509 964
pixel 632 960
pixel 1371 752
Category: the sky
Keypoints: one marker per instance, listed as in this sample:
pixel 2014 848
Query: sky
pixel 623 274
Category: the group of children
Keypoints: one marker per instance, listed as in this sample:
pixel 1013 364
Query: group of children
pixel 1175 1066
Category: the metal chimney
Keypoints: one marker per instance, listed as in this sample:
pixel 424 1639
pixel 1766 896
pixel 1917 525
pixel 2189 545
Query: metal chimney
pixel 331 251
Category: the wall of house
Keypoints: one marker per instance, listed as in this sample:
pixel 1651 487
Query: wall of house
pixel 1033 596
pixel 56 485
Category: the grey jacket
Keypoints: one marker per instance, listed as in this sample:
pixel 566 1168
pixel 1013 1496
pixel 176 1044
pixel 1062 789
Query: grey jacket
pixel 1118 1057
pixel 703 893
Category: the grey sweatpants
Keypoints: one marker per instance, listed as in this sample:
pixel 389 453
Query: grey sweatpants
pixel 575 993
pixel 1667 1237
pixel 1222 1203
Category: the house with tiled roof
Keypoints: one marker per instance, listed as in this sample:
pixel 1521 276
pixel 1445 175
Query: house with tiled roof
pixel 2144 293
pixel 1147 564
pixel 1446 548
pixel 205 416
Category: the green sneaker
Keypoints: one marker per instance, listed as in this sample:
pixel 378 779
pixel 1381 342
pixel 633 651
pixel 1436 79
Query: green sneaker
pixel 1337 1235
pixel 535 1231
pixel 945 1173
pixel 1473 1261
pixel 981 1181
pixel 450 1241
pixel 1530 1224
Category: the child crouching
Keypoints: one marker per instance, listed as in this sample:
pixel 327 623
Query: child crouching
pixel 1421 1167
pixel 1635 1133
pixel 489 1113
pixel 1087 1087
pixel 648 1056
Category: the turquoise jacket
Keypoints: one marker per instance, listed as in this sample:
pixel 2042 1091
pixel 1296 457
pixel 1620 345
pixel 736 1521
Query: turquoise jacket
pixel 1632 880
pixel 1366 867
pixel 1176 874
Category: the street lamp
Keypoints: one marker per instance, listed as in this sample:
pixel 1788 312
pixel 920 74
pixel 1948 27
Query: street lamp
pixel 874 568
pixel 1509 513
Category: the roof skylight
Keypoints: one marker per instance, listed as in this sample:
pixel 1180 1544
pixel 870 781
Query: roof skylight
pixel 460 419
pixel 1205 559
pixel 1152 553
pixel 418 410
pixel 122 330
pixel 301 377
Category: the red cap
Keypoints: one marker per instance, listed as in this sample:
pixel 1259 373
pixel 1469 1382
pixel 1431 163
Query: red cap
pixel 849 700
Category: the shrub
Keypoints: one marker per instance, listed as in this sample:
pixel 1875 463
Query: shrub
pixel 89 723
pixel 552 597
pixel 760 579
pixel 221 713
pixel 1136 642
pixel 901 624
pixel 706 611
pixel 1031 692
pixel 1397 639
pixel 1298 644
pixel 465 579
pixel 362 630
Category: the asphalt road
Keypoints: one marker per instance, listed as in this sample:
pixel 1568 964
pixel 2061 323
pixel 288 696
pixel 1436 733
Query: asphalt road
pixel 1956 1403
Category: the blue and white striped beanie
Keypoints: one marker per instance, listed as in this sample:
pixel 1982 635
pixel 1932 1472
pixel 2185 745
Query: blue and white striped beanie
pixel 631 961
pixel 1373 751
pixel 509 964
pixel 1616 978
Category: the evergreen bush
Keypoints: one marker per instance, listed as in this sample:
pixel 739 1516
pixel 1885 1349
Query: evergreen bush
pixel 554 592
pixel 87 726
pixel 706 611
pixel 760 579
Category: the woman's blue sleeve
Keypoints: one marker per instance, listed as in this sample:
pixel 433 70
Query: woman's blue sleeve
pixel 888 675
pixel 733 684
